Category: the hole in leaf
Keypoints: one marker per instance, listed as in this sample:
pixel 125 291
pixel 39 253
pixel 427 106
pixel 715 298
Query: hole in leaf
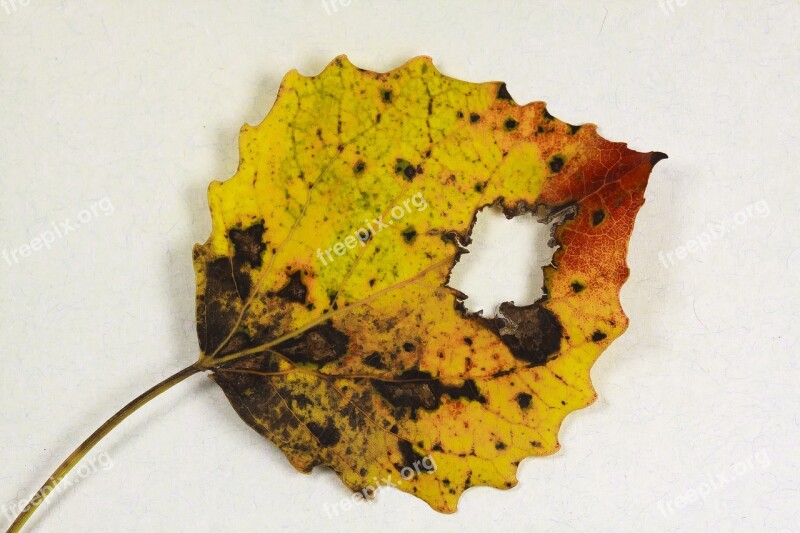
pixel 505 261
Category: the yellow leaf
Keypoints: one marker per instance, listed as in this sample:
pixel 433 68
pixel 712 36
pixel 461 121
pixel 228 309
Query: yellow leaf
pixel 323 308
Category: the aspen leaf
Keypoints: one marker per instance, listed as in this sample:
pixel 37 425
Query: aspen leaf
pixel 323 310
pixel 323 306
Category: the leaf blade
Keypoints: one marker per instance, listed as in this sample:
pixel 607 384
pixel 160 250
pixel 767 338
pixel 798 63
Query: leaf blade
pixel 365 360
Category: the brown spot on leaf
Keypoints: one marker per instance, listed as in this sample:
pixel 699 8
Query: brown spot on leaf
pixel 419 390
pixel 556 163
pixel 532 333
pixel 406 169
pixel 597 336
pixel 294 290
pixel 375 361
pixel 524 400
pixel 410 456
pixel 301 400
pixel 409 234
pixel 248 247
pixel 216 317
pixel 327 435
pixel 319 345
pixel 247 244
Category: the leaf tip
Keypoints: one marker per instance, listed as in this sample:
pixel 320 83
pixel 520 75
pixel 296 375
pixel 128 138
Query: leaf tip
pixel 422 63
pixel 655 157
pixel 340 60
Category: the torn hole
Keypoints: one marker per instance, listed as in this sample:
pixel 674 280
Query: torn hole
pixel 504 261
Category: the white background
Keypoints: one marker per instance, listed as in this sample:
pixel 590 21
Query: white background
pixel 141 103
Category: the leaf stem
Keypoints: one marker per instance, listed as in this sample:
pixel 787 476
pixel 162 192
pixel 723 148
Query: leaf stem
pixel 81 451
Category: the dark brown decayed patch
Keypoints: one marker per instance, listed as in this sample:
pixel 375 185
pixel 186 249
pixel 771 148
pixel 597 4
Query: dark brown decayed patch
pixel 260 407
pixel 597 336
pixel 409 234
pixel 556 164
pixel 410 457
pixel 294 290
pixel 375 361
pixel 216 316
pixel 247 244
pixel 415 390
pixel 532 333
pixel 327 435
pixel 524 400
pixel 406 169
pixel 248 247
pixel 319 345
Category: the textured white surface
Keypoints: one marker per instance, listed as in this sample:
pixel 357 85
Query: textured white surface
pixel 140 103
